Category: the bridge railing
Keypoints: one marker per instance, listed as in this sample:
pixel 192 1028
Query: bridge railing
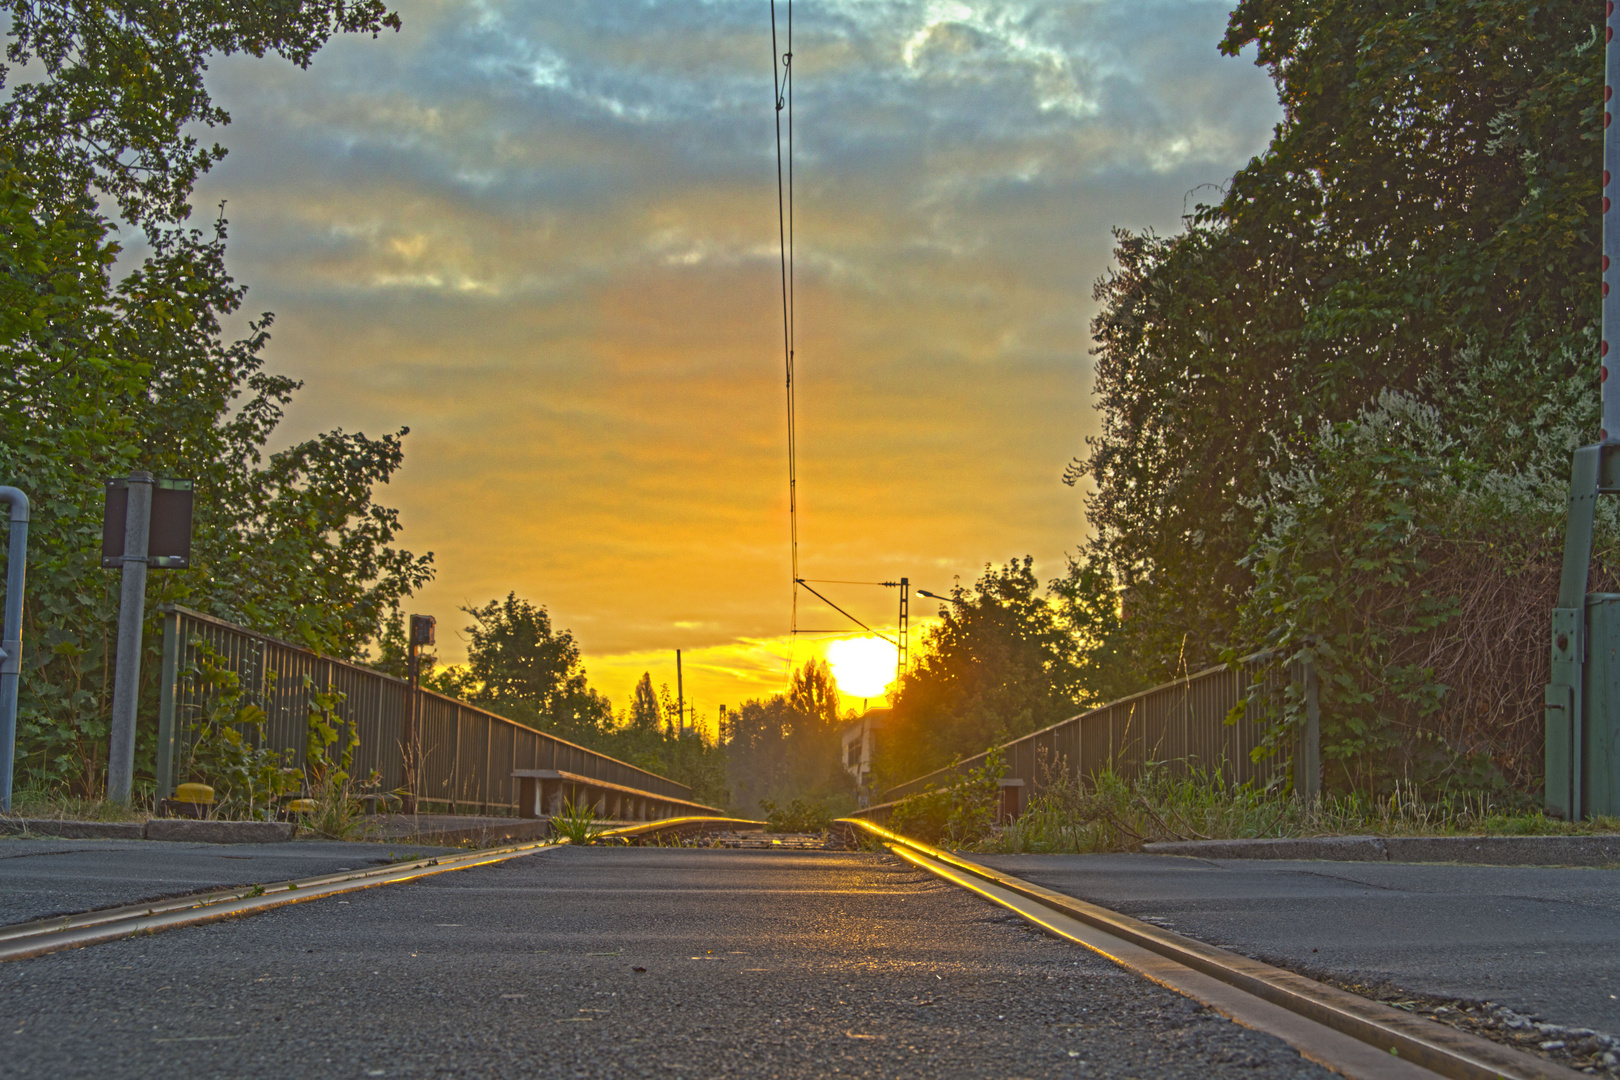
pixel 1177 726
pixel 468 753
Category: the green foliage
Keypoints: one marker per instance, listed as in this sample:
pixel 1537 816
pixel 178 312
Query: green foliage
pixel 518 666
pixel 1338 407
pixel 98 376
pixel 644 713
pixel 961 814
pixel 1002 662
pixel 322 732
pixel 800 816
pixel 122 84
pixel 787 747
pixel 226 746
pixel 577 823
pixel 1386 562
pixel 1426 215
pixel 1115 812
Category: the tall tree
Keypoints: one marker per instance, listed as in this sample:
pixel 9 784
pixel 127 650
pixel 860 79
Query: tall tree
pixel 813 693
pixel 999 664
pixel 519 666
pixel 786 747
pixel 644 708
pixel 123 86
pixel 1424 222
pixel 98 376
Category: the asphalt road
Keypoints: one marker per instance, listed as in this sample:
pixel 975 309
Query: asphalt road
pixel 1542 941
pixel 40 878
pixel 619 962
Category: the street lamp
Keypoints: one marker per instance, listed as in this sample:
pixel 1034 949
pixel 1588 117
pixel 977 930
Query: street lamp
pixel 935 596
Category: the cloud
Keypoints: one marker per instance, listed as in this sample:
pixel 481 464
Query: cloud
pixel 544 236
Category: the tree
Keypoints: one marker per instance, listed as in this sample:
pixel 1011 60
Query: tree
pixel 813 694
pixel 518 666
pixel 644 708
pixel 122 84
pixel 1087 601
pixel 786 747
pixel 1001 663
pixel 1424 222
pixel 97 376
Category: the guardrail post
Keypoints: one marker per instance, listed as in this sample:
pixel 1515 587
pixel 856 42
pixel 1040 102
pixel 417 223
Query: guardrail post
pixel 167 706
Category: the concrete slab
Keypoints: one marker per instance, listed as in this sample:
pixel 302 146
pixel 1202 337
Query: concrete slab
pixel 1600 850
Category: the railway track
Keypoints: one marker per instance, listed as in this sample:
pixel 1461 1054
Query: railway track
pixel 1347 1033
pixel 1344 1032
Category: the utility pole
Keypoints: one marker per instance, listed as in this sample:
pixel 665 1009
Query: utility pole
pixel 680 698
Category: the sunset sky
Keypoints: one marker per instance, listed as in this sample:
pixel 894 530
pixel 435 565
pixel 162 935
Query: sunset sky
pixel 543 236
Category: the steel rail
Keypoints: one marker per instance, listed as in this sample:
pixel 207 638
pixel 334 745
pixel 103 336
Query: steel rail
pixel 681 825
pixel 23 940
pixel 1319 1020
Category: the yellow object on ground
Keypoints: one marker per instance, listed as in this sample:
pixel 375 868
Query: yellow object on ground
pixel 194 793
pixel 301 806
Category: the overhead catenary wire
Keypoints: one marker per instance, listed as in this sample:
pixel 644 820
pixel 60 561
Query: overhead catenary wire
pixel 845 614
pixel 782 86
pixel 782 80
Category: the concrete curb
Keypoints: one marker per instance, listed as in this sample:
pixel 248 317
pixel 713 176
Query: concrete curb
pixel 518 831
pixel 180 829
pixel 220 832
pixel 74 830
pixel 1599 850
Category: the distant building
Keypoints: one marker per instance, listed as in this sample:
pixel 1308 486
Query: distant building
pixel 859 746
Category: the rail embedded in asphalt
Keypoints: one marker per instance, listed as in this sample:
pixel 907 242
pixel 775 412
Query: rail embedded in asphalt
pixel 22 940
pixel 1347 1033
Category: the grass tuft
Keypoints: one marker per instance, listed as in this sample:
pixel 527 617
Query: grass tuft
pixel 1117 813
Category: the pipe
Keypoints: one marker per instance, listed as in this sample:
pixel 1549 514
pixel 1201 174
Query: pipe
pixel 11 637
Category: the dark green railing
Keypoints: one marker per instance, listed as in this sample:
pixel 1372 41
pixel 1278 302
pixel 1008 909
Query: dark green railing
pixel 468 753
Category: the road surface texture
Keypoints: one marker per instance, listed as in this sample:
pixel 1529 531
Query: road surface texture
pixel 40 878
pixel 592 962
pixel 1542 941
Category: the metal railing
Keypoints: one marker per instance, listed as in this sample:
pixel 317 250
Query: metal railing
pixel 468 753
pixel 1179 725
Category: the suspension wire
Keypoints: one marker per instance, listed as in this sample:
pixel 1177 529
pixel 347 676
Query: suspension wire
pixel 846 615
pixel 782 79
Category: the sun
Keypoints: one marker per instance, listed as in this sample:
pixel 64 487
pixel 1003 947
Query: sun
pixel 864 667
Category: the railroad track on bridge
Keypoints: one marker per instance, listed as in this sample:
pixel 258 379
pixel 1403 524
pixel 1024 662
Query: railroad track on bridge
pixel 1346 1033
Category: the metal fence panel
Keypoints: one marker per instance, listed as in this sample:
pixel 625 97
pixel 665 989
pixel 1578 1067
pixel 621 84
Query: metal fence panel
pixel 1180 726
pixel 468 753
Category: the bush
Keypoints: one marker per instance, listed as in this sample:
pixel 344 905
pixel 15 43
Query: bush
pixel 1420 581
pixel 960 814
